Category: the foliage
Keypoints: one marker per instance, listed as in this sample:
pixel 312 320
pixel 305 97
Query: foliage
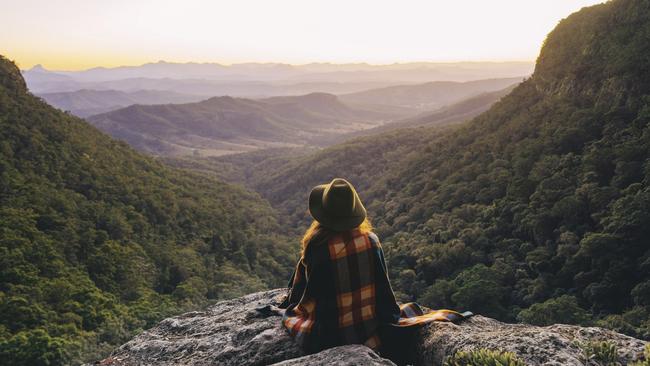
pixel 98 242
pixel 563 309
pixel 484 357
pixel 601 353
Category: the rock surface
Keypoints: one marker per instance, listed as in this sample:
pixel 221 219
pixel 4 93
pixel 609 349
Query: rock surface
pixel 233 332
pixel 344 355
pixel 553 345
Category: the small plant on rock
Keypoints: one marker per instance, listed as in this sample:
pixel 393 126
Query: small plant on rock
pixel 484 357
pixel 601 353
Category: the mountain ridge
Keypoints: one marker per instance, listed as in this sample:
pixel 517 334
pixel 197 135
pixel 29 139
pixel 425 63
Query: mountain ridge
pixel 277 71
pixel 225 124
pixel 429 96
pixel 87 102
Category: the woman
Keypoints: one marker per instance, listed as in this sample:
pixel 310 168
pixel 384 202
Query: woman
pixel 339 293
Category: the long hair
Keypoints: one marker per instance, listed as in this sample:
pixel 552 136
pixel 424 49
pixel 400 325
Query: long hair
pixel 317 229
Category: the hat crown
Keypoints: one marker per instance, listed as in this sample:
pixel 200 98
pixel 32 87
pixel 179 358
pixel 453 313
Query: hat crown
pixel 338 198
pixel 336 205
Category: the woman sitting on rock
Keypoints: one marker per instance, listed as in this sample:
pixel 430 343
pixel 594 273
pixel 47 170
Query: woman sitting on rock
pixel 339 292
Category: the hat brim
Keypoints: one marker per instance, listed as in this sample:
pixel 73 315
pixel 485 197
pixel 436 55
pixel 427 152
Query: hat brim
pixel 334 222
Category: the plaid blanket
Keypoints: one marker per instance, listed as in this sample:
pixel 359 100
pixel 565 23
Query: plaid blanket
pixel 340 294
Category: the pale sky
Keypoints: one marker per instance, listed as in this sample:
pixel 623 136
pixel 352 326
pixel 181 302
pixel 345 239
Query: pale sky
pixel 77 34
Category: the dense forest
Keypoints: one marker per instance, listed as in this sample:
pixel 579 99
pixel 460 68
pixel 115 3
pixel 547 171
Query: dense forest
pixel 98 242
pixel 537 210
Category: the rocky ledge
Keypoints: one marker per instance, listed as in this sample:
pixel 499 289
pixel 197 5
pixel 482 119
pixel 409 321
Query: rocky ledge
pixel 233 332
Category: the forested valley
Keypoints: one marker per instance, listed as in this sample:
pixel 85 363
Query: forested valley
pixel 537 210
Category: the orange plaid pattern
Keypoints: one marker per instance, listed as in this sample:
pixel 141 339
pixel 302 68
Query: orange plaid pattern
pixel 348 284
pixel 412 314
pixel 338 248
pixel 356 306
pixel 304 318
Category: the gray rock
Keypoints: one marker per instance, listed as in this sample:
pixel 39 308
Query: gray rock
pixel 553 345
pixel 344 355
pixel 233 333
pixel 230 332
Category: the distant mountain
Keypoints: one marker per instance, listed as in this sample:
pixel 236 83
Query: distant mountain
pixel 38 78
pixel 98 242
pixel 320 72
pixel 204 87
pixel 264 80
pixel 87 102
pixel 223 125
pixel 453 114
pixel 457 112
pixel 427 96
pixel 439 72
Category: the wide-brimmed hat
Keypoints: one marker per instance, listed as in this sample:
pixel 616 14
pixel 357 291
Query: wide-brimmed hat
pixel 336 205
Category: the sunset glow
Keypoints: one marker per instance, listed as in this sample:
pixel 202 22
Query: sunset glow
pixel 79 34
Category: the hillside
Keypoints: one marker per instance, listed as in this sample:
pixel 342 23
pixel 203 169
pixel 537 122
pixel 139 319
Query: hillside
pixel 251 168
pixel 86 102
pixel 99 242
pixel 428 96
pixel 536 210
pixel 224 125
pixel 453 114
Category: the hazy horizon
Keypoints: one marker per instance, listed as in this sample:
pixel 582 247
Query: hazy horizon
pixel 324 63
pixel 124 33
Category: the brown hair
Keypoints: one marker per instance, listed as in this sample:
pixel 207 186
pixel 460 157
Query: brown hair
pixel 316 228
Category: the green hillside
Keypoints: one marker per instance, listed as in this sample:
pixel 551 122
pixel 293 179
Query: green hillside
pixel 542 203
pixel 537 210
pixel 98 242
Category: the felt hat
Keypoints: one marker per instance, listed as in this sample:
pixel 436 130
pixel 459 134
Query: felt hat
pixel 336 205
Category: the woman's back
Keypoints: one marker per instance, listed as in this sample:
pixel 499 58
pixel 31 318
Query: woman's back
pixel 347 295
pixel 340 292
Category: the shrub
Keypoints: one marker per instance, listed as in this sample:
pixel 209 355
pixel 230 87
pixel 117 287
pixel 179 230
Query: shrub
pixel 601 353
pixel 563 309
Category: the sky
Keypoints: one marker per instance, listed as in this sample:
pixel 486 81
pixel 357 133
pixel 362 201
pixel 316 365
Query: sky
pixel 79 34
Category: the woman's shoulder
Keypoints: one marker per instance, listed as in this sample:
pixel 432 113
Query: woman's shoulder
pixel 374 239
pixel 317 244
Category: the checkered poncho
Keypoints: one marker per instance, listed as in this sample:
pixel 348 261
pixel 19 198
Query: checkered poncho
pixel 340 294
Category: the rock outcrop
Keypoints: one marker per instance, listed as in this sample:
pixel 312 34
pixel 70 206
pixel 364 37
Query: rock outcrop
pixel 233 332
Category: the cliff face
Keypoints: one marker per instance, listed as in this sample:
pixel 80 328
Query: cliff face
pixel 234 333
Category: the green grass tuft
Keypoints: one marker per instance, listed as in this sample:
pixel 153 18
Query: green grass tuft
pixel 484 357
pixel 601 353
